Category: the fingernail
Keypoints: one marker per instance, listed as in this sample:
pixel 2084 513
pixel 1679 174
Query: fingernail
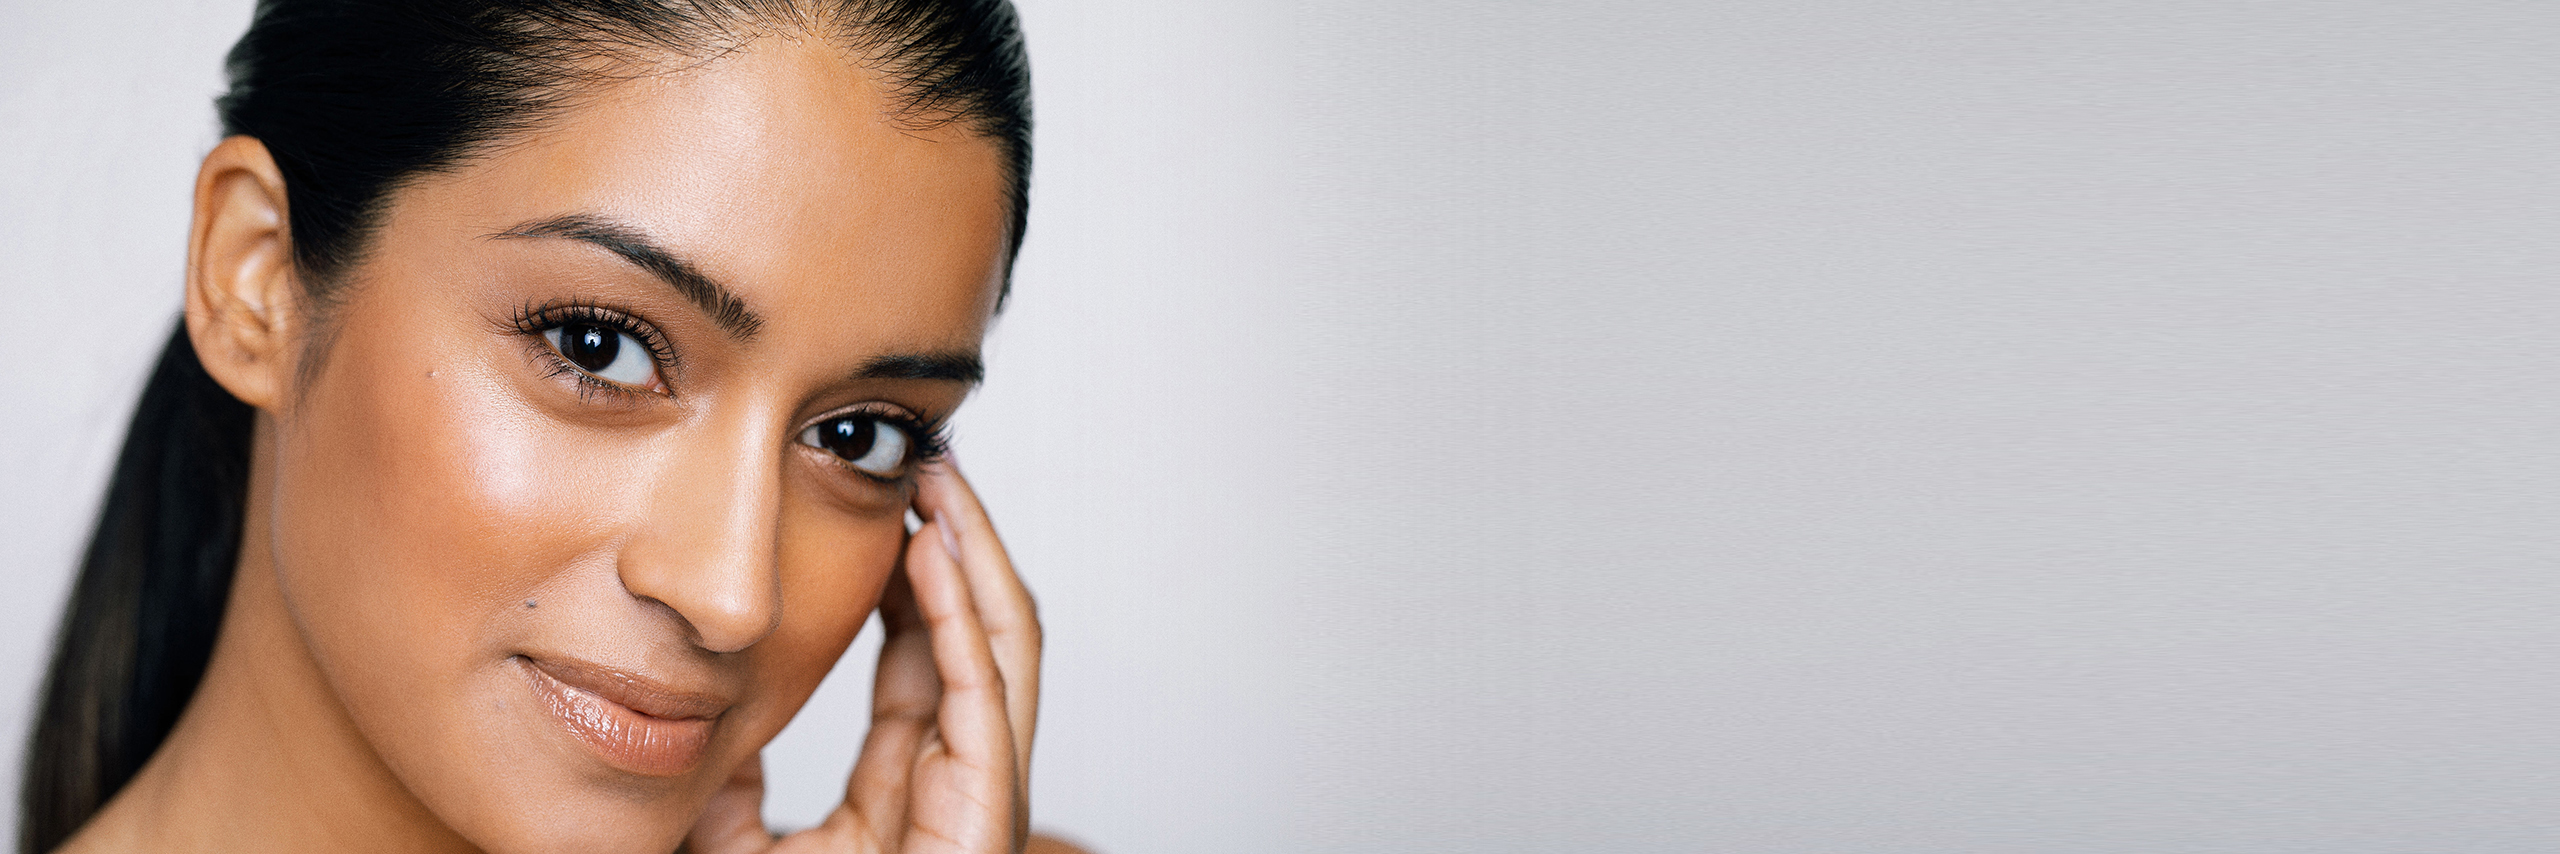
pixel 950 544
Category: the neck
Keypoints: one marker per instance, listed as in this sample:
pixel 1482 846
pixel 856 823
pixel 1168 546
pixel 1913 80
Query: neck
pixel 264 758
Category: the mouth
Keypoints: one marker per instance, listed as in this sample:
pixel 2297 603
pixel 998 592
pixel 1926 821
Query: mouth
pixel 634 723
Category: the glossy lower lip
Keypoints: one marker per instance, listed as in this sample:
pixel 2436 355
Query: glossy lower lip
pixel 632 724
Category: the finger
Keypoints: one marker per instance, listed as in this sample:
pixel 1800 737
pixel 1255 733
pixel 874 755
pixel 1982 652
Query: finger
pixel 733 822
pixel 973 711
pixel 1004 604
pixel 905 693
pixel 974 728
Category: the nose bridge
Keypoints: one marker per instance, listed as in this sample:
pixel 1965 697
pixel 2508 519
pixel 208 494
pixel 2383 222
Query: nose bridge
pixel 708 547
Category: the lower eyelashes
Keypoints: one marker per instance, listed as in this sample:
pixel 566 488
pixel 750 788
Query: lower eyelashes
pixel 863 442
pixel 882 445
pixel 618 360
pixel 603 348
pixel 604 353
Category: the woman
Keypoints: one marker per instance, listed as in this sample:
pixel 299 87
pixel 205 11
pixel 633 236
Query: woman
pixel 556 380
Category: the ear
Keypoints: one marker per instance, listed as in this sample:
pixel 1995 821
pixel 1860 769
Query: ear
pixel 243 299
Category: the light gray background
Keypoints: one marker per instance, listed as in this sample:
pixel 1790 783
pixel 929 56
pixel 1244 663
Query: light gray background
pixel 1742 427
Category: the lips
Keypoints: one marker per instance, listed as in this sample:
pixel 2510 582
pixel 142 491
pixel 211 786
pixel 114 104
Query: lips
pixel 633 723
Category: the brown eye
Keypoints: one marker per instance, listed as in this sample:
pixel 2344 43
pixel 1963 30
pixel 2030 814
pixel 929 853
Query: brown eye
pixel 604 352
pixel 862 440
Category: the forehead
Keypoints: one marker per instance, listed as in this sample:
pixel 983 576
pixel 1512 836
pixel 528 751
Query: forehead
pixel 780 170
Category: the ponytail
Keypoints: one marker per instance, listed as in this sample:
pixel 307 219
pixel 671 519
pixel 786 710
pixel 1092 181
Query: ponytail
pixel 148 599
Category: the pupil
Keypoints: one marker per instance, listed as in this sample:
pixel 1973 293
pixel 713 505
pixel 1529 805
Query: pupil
pixel 589 346
pixel 850 438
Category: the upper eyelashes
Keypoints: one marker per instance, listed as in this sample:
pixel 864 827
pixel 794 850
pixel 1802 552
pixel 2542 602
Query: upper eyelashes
pixel 600 351
pixel 883 444
pixel 606 348
pixel 863 442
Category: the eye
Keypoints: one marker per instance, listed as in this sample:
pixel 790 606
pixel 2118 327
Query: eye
pixel 864 441
pixel 605 352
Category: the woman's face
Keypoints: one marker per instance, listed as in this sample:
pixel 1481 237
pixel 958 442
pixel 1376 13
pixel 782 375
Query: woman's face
pixel 605 454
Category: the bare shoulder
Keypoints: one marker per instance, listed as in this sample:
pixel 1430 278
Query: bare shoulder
pixel 1042 843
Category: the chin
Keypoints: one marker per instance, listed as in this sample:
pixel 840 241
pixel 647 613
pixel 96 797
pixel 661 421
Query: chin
pixel 526 762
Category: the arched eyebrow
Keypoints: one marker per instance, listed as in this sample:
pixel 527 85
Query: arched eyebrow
pixel 956 367
pixel 635 246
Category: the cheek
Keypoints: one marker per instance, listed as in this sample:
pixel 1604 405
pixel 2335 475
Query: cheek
pixel 423 498
pixel 831 575
pixel 427 489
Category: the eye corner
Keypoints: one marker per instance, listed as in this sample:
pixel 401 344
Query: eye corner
pixel 879 444
pixel 603 348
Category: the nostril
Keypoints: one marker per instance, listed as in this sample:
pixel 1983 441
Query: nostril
pixel 718 624
pixel 706 550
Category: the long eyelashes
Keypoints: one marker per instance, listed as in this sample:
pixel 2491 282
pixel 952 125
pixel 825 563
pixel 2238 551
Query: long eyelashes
pixel 931 435
pixel 542 321
pixel 927 439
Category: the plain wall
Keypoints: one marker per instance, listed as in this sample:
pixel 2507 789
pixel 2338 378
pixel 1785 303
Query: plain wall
pixel 1803 426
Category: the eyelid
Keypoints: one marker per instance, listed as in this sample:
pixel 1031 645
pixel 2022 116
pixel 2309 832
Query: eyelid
pixel 929 435
pixel 533 320
pixel 881 408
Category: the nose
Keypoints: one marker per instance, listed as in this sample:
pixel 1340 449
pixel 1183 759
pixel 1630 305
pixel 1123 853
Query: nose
pixel 707 550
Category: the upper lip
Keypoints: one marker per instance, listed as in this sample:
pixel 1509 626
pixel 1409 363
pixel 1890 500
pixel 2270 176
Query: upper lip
pixel 633 691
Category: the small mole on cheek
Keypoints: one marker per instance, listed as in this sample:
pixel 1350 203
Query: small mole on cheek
pixel 528 603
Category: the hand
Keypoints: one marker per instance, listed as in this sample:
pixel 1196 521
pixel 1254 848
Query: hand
pixel 945 769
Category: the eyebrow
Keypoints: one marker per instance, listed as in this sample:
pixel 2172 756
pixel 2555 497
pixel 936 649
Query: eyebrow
pixel 956 367
pixel 634 245
pixel 726 308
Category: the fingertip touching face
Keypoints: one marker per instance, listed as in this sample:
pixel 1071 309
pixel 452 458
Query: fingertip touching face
pixel 609 452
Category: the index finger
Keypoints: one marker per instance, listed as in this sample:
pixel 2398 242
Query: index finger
pixel 1005 608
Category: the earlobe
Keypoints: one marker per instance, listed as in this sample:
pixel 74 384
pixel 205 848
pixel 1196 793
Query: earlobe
pixel 242 297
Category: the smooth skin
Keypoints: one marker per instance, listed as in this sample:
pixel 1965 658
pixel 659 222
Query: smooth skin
pixel 437 499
